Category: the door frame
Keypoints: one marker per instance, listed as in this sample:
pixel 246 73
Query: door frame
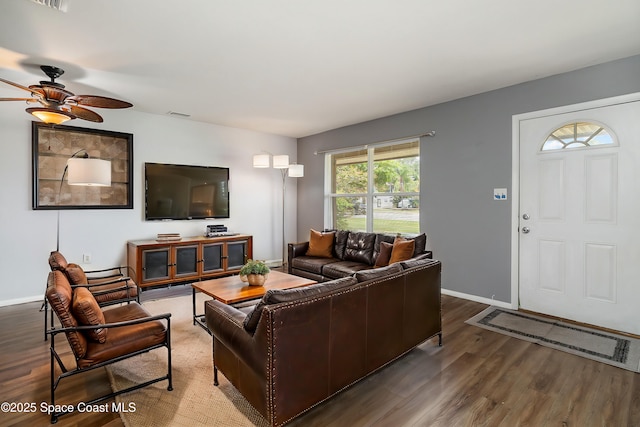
pixel 515 174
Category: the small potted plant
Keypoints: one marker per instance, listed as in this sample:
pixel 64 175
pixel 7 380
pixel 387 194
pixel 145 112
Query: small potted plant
pixel 255 272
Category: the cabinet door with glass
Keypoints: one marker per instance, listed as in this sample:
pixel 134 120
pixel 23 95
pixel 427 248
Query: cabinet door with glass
pixel 155 264
pixel 185 261
pixel 212 258
pixel 236 254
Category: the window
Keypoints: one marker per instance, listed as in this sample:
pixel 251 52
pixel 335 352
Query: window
pixel 577 135
pixel 374 189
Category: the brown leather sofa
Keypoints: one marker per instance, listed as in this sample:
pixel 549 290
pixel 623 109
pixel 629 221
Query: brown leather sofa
pixel 298 347
pixel 351 252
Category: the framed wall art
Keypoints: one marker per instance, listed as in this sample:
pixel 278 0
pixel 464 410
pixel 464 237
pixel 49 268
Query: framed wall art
pixel 53 145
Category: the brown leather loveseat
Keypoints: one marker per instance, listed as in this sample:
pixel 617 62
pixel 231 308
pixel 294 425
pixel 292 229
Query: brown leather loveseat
pixel 334 254
pixel 298 347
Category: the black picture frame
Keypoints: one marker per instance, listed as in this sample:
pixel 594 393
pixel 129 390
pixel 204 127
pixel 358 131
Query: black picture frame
pixel 53 145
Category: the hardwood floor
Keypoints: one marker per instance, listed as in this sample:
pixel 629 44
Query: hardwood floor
pixel 478 378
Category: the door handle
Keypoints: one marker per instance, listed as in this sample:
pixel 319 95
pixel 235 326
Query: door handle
pixel 525 230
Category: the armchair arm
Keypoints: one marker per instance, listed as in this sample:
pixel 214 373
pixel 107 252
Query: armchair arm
pixel 112 272
pixel 295 250
pixel 55 331
pixel 118 279
pixel 226 317
pixel 123 279
pixel 105 282
pixel 226 325
pixel 298 249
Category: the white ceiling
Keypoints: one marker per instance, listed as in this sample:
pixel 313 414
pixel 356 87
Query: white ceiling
pixel 299 67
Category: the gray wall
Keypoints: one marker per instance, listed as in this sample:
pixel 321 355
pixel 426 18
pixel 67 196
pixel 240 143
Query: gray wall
pixel 469 156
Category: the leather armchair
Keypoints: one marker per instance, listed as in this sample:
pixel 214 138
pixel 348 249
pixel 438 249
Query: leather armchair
pixel 98 338
pixel 109 286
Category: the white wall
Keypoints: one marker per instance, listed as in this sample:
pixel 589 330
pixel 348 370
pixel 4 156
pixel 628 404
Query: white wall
pixel 28 236
pixel 468 157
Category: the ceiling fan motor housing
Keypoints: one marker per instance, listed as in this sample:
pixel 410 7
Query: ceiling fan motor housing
pixel 53 73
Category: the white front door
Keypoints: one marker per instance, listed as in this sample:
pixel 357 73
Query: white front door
pixel 579 217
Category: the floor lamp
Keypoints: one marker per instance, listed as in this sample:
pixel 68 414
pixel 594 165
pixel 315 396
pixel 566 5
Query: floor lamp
pixel 292 170
pixel 83 170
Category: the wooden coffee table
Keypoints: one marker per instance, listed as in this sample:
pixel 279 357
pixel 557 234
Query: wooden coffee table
pixel 232 290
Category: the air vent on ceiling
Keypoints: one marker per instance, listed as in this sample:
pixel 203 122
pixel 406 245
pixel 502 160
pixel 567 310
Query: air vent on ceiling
pixel 173 113
pixel 60 5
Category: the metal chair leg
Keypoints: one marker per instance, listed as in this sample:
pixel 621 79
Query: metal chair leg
pixel 45 308
pixel 169 372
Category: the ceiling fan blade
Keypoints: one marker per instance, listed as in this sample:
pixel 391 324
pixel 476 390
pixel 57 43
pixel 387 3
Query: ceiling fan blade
pixel 83 113
pixel 99 101
pixel 20 99
pixel 35 92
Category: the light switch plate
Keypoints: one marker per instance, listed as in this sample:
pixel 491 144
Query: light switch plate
pixel 500 194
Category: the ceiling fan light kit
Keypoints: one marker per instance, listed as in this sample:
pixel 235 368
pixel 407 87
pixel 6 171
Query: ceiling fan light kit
pixel 49 115
pixel 59 105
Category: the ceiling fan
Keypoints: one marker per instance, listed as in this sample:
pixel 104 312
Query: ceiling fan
pixel 58 105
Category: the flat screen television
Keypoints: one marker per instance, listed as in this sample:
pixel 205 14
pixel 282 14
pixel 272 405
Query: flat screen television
pixel 185 192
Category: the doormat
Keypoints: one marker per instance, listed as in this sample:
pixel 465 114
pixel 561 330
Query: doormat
pixel 612 349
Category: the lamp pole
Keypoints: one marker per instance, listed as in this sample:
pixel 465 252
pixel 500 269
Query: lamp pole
pixel 293 170
pixel 284 249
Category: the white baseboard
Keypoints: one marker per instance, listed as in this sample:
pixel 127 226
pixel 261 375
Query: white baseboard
pixel 21 300
pixel 475 298
pixel 273 262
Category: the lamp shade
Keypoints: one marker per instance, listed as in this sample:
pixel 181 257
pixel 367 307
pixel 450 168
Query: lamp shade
pixel 261 161
pixel 49 115
pixel 296 171
pixel 281 161
pixel 87 171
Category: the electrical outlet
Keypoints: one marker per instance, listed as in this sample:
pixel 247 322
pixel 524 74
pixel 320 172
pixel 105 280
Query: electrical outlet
pixel 86 258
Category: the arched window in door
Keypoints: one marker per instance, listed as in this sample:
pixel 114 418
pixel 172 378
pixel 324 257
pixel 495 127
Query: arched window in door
pixel 578 135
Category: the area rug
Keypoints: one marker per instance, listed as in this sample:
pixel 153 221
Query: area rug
pixel 612 349
pixel 194 401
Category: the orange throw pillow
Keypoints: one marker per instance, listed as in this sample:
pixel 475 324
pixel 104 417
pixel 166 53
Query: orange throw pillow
pixel 402 250
pixel 320 244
